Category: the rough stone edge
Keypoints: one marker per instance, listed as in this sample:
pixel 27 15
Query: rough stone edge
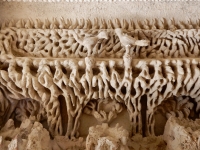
pixel 99 23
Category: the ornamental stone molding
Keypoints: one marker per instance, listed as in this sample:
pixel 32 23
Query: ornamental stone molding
pixel 99 83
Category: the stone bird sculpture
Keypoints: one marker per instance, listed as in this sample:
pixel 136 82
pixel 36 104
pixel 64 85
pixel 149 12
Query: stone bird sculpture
pixel 90 41
pixel 128 41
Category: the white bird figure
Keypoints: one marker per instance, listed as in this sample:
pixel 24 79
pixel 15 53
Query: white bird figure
pixel 128 41
pixel 90 41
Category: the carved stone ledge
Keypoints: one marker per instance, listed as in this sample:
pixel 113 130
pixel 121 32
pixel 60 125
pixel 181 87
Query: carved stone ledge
pixel 55 74
pixel 65 43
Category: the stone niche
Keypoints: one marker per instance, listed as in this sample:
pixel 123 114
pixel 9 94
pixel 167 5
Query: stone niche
pixel 81 76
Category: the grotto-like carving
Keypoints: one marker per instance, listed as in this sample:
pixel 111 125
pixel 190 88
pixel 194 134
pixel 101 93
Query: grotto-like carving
pixel 29 108
pixel 98 71
pixel 156 82
pixel 72 41
pixel 104 110
pixel 180 107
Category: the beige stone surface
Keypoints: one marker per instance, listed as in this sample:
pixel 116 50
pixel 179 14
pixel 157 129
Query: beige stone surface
pixel 182 134
pixel 137 10
pixel 67 67
pixel 105 137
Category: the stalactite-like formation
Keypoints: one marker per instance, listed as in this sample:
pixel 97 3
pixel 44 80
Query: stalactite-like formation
pixel 56 71
pixel 161 78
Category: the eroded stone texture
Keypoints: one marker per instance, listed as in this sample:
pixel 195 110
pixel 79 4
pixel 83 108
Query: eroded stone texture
pixel 54 72
pixel 32 136
pixel 139 142
pixel 182 134
pixel 103 110
pixel 62 43
pixel 105 137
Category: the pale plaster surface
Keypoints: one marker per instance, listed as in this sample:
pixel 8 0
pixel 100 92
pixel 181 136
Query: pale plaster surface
pixel 137 10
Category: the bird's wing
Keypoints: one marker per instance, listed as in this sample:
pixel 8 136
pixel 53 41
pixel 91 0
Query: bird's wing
pixel 142 42
pixel 128 40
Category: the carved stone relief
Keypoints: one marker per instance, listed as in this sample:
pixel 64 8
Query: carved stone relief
pixel 52 73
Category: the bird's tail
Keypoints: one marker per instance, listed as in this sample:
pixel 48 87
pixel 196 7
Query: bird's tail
pixel 142 42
